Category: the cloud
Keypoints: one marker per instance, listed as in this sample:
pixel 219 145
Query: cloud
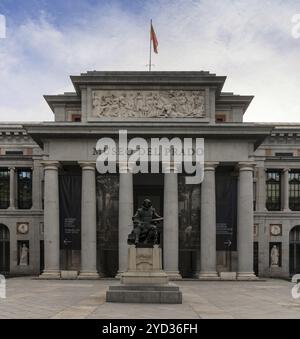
pixel 249 41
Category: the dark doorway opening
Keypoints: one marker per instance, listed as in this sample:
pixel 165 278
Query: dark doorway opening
pixel 255 257
pixel 42 256
pixel 295 250
pixel 4 250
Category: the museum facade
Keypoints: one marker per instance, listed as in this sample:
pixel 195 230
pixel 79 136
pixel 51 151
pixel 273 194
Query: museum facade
pixel 60 217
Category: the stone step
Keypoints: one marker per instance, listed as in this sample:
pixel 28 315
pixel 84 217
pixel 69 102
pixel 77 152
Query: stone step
pixel 145 296
pixel 144 288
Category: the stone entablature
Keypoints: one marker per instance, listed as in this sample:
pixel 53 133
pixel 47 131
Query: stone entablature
pixel 148 104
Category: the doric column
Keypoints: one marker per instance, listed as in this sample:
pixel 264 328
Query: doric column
pixel 208 224
pixel 245 222
pixel 12 188
pixel 125 214
pixel 170 226
pixel 88 223
pixel 261 190
pixel 286 191
pixel 51 221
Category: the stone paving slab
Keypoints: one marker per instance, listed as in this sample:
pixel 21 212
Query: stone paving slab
pixel 29 298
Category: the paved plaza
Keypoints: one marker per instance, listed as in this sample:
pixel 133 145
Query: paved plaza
pixel 32 298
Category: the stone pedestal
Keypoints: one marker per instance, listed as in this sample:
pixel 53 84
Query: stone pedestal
pixel 68 275
pixel 145 281
pixel 276 272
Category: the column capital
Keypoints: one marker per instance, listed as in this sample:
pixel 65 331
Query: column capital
pixel 50 165
pixel 12 168
pixel 125 167
pixel 210 165
pixel 246 166
pixel 87 165
pixel 171 167
pixel 286 169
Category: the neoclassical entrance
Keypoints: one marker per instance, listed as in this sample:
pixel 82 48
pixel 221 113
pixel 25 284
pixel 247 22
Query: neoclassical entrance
pixel 4 249
pixel 295 250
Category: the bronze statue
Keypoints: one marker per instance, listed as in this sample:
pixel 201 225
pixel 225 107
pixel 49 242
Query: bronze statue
pixel 144 225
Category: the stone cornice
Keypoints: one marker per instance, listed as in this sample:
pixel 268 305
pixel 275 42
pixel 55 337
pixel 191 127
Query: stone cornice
pixel 277 214
pixel 62 100
pixel 13 213
pixel 253 132
pixel 148 78
pixel 226 99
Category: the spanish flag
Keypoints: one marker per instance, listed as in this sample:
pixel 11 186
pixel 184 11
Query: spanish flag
pixel 154 39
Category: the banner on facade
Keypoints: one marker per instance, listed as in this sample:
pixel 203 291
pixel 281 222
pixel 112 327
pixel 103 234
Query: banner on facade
pixel 226 203
pixel 70 211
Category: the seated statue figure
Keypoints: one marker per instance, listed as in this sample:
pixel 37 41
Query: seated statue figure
pixel 144 225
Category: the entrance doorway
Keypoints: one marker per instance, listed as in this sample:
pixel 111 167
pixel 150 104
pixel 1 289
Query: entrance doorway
pixel 295 250
pixel 4 249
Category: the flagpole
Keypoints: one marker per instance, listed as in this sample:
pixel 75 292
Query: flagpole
pixel 150 56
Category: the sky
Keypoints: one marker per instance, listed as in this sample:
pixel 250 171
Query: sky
pixel 255 43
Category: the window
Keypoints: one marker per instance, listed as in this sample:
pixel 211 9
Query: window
pixel 283 154
pixel 220 118
pixel 14 152
pixel 4 188
pixel 76 117
pixel 273 186
pixel 294 190
pixel 24 188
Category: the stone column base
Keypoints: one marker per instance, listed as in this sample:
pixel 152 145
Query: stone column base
pixel 118 275
pixel 68 275
pixel 50 275
pixel 208 276
pixel 88 275
pixel 173 275
pixel 246 276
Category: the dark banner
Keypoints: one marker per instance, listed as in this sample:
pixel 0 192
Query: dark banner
pixel 70 211
pixel 226 203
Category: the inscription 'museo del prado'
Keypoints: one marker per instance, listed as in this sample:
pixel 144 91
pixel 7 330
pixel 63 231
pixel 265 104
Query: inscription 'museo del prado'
pixel 149 104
